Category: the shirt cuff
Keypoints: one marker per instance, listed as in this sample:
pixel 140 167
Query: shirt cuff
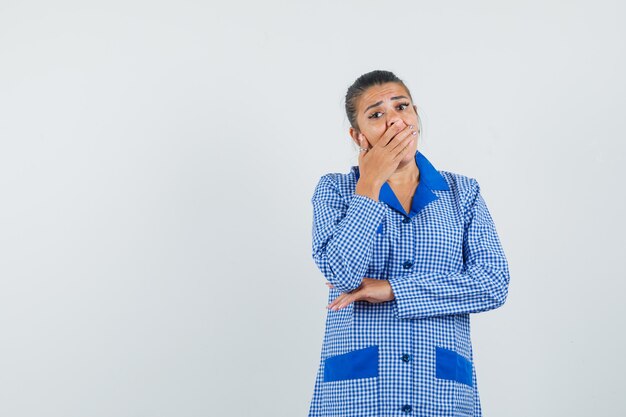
pixel 401 288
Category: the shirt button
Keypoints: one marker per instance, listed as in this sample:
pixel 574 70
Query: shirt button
pixel 406 220
pixel 407 264
pixel 406 357
pixel 407 408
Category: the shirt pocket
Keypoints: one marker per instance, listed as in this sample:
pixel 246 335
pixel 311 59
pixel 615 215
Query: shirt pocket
pixel 350 383
pixel 454 379
pixel 452 366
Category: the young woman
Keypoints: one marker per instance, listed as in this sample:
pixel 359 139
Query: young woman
pixel 409 251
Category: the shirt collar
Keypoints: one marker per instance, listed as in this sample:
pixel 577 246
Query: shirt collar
pixel 430 179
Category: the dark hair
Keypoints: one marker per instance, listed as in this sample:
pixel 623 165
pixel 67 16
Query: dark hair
pixel 365 81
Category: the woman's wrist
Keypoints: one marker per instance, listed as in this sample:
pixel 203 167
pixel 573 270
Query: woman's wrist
pixel 368 189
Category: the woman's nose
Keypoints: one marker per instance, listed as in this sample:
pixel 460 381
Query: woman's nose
pixel 395 120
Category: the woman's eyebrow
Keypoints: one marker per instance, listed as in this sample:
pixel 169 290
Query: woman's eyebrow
pixel 380 102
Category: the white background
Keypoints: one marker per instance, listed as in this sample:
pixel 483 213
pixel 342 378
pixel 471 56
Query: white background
pixel 157 161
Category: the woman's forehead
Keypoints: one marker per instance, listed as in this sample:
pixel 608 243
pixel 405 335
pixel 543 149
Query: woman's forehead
pixel 384 92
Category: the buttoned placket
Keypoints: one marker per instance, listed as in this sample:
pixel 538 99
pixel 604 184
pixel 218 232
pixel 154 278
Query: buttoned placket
pixel 406 228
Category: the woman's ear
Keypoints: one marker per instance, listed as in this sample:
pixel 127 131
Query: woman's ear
pixel 363 142
pixel 360 139
pixel 356 136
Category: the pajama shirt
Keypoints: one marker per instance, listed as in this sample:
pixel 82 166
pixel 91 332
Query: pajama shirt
pixel 411 356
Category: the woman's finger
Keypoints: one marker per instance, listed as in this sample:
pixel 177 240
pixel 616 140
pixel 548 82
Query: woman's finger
pixel 334 302
pixel 345 301
pixel 337 301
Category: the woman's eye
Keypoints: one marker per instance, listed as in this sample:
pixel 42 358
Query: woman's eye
pixel 372 116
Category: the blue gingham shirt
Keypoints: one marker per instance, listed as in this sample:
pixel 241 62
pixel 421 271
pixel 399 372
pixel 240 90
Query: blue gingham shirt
pixel 411 356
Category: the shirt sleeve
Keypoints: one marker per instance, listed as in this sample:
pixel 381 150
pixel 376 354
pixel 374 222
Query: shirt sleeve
pixel 343 234
pixel 481 285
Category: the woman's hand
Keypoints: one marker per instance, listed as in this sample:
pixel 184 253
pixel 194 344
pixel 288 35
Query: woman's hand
pixel 372 290
pixel 381 160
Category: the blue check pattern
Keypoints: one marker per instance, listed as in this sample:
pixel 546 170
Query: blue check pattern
pixel 411 356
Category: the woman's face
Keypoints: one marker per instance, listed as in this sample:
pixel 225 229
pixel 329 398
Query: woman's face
pixel 379 107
